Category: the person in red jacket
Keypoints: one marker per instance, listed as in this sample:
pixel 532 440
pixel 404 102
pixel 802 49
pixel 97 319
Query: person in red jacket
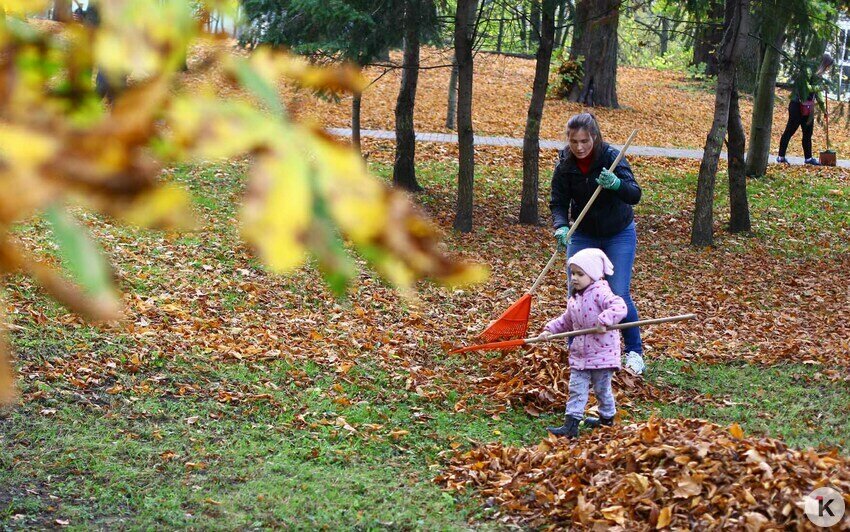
pixel 609 224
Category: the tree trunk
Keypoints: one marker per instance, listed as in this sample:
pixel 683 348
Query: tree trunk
pixel 736 24
pixel 665 35
pixel 528 212
pixel 762 124
pixel 599 46
pixel 522 27
pixel 355 120
pixel 62 10
pixel 707 38
pixel 451 113
pixel 404 171
pixel 739 215
pixel 561 27
pixel 535 22
pixel 748 66
pixel 501 30
pixel 464 37
pixel 580 20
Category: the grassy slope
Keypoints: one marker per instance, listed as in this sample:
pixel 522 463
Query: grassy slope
pixel 106 458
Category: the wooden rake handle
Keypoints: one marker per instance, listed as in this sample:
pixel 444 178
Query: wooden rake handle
pixel 508 344
pixel 617 326
pixel 826 118
pixel 581 215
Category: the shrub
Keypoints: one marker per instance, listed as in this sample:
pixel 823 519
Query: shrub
pixel 567 74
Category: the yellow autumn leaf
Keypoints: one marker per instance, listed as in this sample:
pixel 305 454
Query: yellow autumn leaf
pixel 357 200
pixel 736 431
pixel 134 39
pixel 395 271
pixel 615 513
pixel 226 7
pixel 166 206
pixel 23 7
pixel 7 375
pixel 266 63
pixel 278 210
pixel 466 274
pixel 344 77
pixel 664 517
pixel 23 148
pixel 209 129
pixel 638 482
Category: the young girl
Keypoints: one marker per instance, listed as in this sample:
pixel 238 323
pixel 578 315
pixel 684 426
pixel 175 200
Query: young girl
pixel 593 357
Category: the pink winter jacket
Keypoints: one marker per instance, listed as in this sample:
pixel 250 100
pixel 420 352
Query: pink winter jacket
pixel 596 305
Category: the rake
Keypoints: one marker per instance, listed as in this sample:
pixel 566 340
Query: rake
pixel 513 323
pixel 509 344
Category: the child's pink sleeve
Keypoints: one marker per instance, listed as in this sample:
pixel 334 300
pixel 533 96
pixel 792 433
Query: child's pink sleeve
pixel 562 323
pixel 614 310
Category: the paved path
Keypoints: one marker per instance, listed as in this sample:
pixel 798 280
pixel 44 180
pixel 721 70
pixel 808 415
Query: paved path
pixel 650 151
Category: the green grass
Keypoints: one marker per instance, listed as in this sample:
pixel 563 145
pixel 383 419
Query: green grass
pixel 125 463
pixel 790 402
pixel 791 217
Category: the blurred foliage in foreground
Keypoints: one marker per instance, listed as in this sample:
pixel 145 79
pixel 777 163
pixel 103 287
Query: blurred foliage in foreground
pixel 60 146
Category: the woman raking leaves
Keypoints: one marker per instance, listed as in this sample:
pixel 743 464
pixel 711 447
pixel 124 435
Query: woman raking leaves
pixel 801 109
pixel 609 224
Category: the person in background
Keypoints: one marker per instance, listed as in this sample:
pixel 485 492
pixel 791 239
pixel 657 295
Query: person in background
pixel 806 93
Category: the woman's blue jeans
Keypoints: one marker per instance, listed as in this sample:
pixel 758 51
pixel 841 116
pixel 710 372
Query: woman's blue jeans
pixel 620 249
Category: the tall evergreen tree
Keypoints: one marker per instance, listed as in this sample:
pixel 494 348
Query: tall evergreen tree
pixel 420 20
pixel 465 24
pixel 531 142
pixel 708 33
pixel 360 31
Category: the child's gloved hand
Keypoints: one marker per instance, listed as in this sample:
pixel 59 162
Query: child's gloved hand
pixel 561 236
pixel 600 329
pixel 608 180
pixel 544 336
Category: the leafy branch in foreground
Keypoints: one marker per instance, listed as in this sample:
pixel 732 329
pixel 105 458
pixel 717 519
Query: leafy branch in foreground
pixel 60 147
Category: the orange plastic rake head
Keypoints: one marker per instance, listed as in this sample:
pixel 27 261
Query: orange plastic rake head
pixel 491 346
pixel 512 324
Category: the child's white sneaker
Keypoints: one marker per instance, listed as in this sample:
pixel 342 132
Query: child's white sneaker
pixel 634 363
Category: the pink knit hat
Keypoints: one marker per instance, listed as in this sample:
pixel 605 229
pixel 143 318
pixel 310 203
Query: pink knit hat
pixel 593 261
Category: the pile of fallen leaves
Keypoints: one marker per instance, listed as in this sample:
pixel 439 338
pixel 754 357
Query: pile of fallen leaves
pixel 677 473
pixel 537 379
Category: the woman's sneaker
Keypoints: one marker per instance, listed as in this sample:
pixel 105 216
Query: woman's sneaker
pixel 782 160
pixel 812 161
pixel 634 363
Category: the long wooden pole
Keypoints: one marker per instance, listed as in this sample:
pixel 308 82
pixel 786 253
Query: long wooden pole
pixel 617 326
pixel 508 344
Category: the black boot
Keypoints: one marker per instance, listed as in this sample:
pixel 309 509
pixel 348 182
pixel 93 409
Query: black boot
pixel 569 429
pixel 601 421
